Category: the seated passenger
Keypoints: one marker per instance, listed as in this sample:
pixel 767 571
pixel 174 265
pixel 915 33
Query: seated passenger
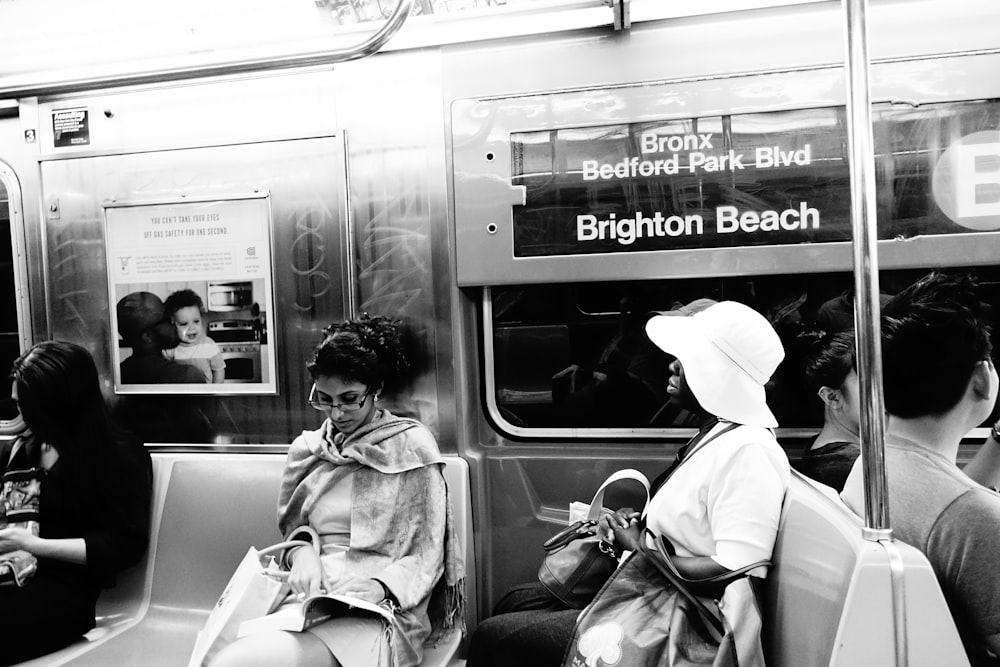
pixel 939 383
pixel 830 373
pixel 371 484
pixel 721 509
pixel 94 501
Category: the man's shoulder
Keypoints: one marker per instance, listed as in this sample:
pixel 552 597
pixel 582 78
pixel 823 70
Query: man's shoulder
pixel 154 369
pixel 909 467
pixel 975 505
pixel 924 490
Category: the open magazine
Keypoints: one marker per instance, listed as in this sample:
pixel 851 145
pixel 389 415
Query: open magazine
pixel 312 611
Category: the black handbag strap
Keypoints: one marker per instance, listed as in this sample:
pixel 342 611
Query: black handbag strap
pixel 694 445
pixel 659 556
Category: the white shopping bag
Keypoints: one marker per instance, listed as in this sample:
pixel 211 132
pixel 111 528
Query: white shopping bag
pixel 252 591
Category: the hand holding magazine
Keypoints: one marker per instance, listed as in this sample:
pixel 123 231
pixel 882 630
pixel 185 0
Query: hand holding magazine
pixel 313 610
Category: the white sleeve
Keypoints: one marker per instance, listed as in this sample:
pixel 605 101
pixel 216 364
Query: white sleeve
pixel 744 503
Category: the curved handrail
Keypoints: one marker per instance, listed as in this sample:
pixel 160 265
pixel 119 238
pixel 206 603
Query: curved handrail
pixel 365 48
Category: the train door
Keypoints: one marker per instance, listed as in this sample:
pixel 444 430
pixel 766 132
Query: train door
pixel 13 330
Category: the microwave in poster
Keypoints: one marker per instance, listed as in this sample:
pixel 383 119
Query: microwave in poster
pixel 193 306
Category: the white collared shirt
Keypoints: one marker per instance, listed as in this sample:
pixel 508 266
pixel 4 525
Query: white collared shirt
pixel 725 500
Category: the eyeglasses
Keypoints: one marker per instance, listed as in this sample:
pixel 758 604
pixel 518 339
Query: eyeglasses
pixel 343 407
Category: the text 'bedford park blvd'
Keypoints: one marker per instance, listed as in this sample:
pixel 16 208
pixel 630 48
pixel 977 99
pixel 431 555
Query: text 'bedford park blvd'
pixel 699 159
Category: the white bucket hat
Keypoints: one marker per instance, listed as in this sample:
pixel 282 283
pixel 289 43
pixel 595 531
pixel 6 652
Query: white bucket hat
pixel 729 352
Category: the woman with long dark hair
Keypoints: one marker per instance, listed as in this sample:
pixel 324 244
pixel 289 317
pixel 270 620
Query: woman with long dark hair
pixel 94 484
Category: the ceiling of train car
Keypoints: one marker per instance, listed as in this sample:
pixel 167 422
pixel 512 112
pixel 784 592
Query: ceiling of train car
pixel 41 37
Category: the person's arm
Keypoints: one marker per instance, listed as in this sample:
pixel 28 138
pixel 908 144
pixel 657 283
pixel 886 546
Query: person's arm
pixel 744 505
pixel 698 567
pixel 73 550
pixel 118 533
pixel 623 527
pixel 962 548
pixel 418 533
pixel 985 465
pixel 218 365
pixel 306 574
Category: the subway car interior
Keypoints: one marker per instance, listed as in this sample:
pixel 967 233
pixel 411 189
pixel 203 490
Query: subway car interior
pixel 522 183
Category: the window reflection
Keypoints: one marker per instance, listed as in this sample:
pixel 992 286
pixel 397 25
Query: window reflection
pixel 576 355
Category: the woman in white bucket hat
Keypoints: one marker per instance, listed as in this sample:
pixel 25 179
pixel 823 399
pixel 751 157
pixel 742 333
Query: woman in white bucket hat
pixel 721 509
pixel 720 504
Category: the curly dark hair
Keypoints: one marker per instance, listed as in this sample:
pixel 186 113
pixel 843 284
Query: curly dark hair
pixel 182 298
pixel 369 350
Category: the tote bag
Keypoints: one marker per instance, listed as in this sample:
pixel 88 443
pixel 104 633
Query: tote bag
pixel 645 616
pixel 255 589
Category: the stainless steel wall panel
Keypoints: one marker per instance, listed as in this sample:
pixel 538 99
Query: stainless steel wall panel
pixel 185 115
pixel 392 105
pixel 307 183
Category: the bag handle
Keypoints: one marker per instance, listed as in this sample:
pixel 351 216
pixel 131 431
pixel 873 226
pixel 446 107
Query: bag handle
pixel 285 547
pixel 628 473
pixel 584 528
pixel 281 547
pixel 660 558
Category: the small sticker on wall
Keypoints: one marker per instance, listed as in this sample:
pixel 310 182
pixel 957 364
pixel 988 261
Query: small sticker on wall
pixel 29 136
pixel 70 127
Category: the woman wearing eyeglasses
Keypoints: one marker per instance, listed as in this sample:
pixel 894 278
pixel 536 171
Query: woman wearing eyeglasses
pixel 369 485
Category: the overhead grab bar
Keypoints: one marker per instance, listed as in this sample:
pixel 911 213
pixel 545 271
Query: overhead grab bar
pixel 75 85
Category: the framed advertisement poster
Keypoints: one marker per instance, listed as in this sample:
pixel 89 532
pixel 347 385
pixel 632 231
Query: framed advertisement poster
pixel 192 299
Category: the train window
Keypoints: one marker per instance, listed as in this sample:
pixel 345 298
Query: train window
pixel 575 356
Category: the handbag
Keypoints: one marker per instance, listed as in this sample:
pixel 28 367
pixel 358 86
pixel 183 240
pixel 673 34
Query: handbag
pixel 647 615
pixel 577 562
pixel 255 589
pixel 20 494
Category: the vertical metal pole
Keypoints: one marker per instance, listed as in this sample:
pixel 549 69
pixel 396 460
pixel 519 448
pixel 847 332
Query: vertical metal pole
pixel 351 255
pixel 866 288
